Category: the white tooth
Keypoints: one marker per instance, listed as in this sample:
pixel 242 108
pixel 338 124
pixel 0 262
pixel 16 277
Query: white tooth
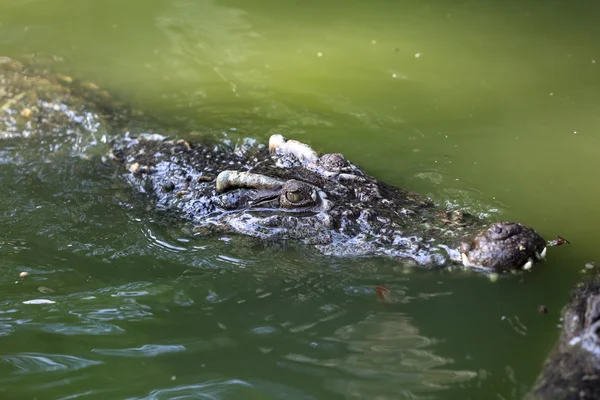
pixel 276 142
pixel 528 264
pixel 543 253
pixel 537 256
pixel 466 261
pixel 493 277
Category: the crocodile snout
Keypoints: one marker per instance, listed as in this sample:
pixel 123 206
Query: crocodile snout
pixel 503 246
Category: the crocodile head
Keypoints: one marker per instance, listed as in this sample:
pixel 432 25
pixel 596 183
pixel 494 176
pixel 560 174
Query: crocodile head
pixel 289 191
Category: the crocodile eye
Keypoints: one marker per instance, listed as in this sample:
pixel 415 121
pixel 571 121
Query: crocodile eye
pixel 294 196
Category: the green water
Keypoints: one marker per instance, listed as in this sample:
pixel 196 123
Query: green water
pixel 485 105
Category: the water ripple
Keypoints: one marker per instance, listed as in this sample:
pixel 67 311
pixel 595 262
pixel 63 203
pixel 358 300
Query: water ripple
pixel 37 362
pixel 147 350
pixel 153 240
pixel 87 393
pixel 82 329
pixel 89 312
pixel 207 390
pixel 6 329
pixel 128 313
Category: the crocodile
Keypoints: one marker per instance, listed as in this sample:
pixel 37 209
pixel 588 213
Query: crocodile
pixel 572 369
pixel 35 103
pixel 65 114
pixel 281 192
pixel 287 191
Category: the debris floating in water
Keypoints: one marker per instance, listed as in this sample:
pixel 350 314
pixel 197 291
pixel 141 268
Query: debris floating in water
pixel 417 55
pixel 39 301
pixel 23 274
pixel 558 241
pixel 383 294
pixel 542 309
pixel 319 54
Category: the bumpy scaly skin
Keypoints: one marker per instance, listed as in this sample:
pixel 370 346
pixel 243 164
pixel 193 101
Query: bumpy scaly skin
pixel 572 370
pixel 35 105
pixel 62 112
pixel 504 244
pixel 246 188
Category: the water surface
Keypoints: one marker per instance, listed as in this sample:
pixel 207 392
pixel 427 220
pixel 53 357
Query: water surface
pixel 483 105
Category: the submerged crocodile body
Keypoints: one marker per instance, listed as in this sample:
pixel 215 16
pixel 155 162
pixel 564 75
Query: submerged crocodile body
pixel 287 191
pixel 572 370
pixel 35 103
pixel 277 192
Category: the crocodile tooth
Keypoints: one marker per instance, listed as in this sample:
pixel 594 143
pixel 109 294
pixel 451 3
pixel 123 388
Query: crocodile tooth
pixel 466 261
pixel 528 264
pixel 275 141
pixel 542 255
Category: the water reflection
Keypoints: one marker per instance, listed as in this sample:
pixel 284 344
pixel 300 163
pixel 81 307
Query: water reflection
pixel 387 358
